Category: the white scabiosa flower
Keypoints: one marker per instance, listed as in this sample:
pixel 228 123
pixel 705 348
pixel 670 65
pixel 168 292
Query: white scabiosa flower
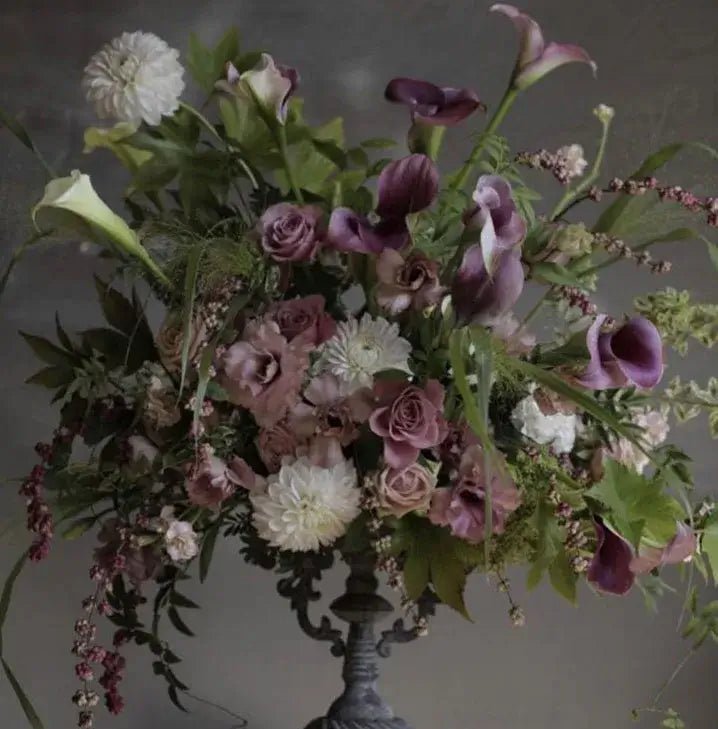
pixel 574 162
pixel 306 507
pixel 181 541
pixel 362 348
pixel 134 77
pixel 557 430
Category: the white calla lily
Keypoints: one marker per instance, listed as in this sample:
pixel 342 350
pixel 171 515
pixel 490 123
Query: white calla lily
pixel 72 200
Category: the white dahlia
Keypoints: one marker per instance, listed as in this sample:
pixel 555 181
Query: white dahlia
pixel 134 77
pixel 362 348
pixel 306 507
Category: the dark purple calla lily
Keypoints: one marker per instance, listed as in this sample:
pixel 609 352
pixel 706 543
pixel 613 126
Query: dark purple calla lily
pixel 610 568
pixel 480 298
pixel 431 104
pixel 631 355
pixel 495 214
pixel 680 549
pixel 536 57
pixel 406 186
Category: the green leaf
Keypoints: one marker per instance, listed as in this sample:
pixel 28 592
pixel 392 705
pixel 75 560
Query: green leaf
pixel 179 600
pixel 52 377
pixel 109 343
pixel 416 574
pixel 207 65
pixel 379 143
pixel 194 259
pixel 178 623
pixel 548 545
pixel 49 352
pixel 709 546
pixel 626 207
pixel 637 506
pixel 62 336
pixel 563 577
pixel 27 707
pixel 174 698
pixel 555 273
pixel 79 527
pixel 14 127
pixel 246 128
pixel 7 591
pixel 118 311
pixel 208 545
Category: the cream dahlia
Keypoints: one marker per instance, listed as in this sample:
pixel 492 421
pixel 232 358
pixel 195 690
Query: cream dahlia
pixel 361 349
pixel 135 77
pixel 306 507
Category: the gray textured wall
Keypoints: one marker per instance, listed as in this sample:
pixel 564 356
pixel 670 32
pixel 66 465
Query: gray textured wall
pixel 578 669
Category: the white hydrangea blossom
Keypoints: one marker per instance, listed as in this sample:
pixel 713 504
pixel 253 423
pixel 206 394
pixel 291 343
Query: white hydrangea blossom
pixel 557 430
pixel 306 507
pixel 135 77
pixel 574 162
pixel 362 348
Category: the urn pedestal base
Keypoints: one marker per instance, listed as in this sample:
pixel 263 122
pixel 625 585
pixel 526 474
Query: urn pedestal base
pixel 360 706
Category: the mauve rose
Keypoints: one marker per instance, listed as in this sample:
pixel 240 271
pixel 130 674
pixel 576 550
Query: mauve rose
pixel 263 372
pixel 211 482
pixel 303 318
pixel 326 411
pixel 170 339
pixel 407 282
pixel 291 232
pixel 402 490
pixel 463 506
pixel 277 443
pixel 408 419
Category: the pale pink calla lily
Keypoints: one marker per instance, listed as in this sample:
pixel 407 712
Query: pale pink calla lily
pixel 536 57
pixel 680 549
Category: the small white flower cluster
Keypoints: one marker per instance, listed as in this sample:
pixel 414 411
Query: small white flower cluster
pixel 180 539
pixel 573 161
pixel 557 430
pixel 655 428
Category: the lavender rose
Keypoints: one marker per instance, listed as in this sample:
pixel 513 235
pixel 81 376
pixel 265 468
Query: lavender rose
pixel 291 232
pixel 402 490
pixel 263 372
pixel 408 419
pixel 407 283
pixel 463 506
pixel 304 318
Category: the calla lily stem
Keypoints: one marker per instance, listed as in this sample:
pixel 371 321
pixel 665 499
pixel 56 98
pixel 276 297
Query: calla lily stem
pixel 503 108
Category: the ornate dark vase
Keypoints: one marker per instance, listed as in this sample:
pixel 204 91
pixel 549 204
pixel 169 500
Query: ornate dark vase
pixel 359 706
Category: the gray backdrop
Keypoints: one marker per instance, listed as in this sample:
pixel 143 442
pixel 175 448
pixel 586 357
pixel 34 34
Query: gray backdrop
pixel 586 668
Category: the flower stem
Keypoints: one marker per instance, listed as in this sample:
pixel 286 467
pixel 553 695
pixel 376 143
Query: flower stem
pixel 570 196
pixel 281 134
pixel 537 307
pixel 461 178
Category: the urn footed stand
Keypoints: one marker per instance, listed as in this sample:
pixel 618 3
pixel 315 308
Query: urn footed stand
pixel 359 706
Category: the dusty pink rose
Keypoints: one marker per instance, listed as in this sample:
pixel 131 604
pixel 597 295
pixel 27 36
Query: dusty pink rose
pixel 263 372
pixel 170 340
pixel 402 490
pixel 408 419
pixel 404 283
pixel 212 481
pixel 463 506
pixel 291 232
pixel 326 411
pixel 304 318
pixel 277 443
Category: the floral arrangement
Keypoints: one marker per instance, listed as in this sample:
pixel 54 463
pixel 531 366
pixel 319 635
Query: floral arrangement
pixel 339 368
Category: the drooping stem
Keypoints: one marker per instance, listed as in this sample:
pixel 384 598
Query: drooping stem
pixel 570 196
pixel 281 134
pixel 505 104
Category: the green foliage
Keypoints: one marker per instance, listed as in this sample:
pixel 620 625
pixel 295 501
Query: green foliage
pixel 679 319
pixel 709 546
pixel 689 399
pixel 636 506
pixel 433 555
pixel 207 64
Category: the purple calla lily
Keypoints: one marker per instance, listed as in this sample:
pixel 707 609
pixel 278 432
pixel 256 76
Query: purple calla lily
pixel 631 355
pixel 680 549
pixel 406 186
pixel 610 568
pixel 495 214
pixel 481 298
pixel 431 104
pixel 536 57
